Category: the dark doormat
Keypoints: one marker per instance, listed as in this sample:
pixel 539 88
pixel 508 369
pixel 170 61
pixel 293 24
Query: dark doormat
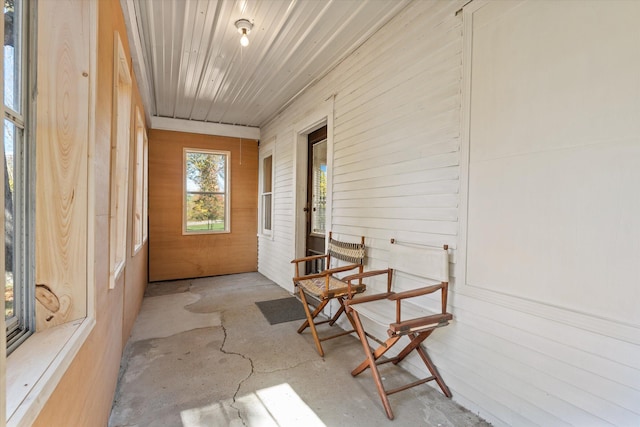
pixel 281 310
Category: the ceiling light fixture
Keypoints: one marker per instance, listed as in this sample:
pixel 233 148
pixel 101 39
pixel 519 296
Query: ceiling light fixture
pixel 244 27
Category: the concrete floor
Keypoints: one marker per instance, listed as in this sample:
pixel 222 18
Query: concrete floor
pixel 202 354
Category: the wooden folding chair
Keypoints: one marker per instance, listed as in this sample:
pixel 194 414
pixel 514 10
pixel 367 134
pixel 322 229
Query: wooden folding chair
pixel 401 315
pixel 324 286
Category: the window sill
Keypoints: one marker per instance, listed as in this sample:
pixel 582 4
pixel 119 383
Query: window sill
pixel 34 369
pixel 265 236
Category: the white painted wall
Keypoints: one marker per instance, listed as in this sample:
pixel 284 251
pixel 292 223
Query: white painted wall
pixel 398 146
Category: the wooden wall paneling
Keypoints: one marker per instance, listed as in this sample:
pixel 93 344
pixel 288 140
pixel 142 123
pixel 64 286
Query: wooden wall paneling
pixel 175 256
pixel 61 159
pixel 84 395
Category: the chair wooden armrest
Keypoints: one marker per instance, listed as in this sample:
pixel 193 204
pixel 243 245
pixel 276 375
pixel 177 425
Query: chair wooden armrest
pixel 367 298
pixel 421 323
pixel 415 292
pixel 398 297
pixel 367 274
pixel 360 276
pixel 308 258
pixel 328 272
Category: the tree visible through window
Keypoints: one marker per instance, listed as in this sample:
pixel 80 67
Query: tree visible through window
pixel 18 178
pixel 206 191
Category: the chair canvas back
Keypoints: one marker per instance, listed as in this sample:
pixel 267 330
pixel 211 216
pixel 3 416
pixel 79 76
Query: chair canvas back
pixel 349 252
pixel 427 262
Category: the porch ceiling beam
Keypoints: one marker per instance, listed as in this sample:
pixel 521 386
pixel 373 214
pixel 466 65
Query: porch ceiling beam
pixel 207 128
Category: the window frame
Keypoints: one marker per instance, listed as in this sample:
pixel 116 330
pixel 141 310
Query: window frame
pixel 21 324
pixel 119 166
pixel 145 186
pixel 268 152
pixel 139 211
pixel 226 192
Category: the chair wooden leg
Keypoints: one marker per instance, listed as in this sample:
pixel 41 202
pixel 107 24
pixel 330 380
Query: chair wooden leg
pixel 416 340
pixel 434 371
pixel 371 362
pixel 306 323
pixel 415 344
pixel 309 321
pixel 338 313
pixel 346 312
pixel 379 352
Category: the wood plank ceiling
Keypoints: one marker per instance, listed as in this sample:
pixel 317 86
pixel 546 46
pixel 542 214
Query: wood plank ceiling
pixel 190 64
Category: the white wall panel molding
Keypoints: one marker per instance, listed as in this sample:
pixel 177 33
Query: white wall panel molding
pixel 552 249
pixel 206 128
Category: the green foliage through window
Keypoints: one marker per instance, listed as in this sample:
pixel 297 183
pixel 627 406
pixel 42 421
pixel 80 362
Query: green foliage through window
pixel 207 197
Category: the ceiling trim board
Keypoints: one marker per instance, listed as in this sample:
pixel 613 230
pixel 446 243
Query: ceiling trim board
pixel 206 128
pixel 143 78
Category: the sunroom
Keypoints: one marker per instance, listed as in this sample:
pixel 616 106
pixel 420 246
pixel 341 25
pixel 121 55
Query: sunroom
pixel 508 131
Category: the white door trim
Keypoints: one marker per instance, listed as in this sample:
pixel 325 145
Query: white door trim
pixel 320 116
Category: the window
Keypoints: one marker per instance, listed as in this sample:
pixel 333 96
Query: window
pixel 266 195
pixel 206 186
pixel 19 181
pixel 145 186
pixel 119 162
pixel 140 186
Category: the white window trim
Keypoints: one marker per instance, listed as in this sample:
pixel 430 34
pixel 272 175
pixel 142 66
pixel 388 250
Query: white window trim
pixel 268 150
pixel 50 353
pixel 227 187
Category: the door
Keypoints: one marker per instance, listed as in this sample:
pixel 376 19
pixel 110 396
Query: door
pixel 316 196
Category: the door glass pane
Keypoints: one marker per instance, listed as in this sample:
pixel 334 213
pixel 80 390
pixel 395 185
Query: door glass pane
pixel 12 54
pixel 9 216
pixel 319 188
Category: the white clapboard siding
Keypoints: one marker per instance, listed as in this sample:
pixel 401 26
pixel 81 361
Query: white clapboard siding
pixel 427 201
pixel 397 124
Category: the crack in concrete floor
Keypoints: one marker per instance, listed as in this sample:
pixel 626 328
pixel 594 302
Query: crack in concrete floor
pixel 219 375
pixel 235 394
